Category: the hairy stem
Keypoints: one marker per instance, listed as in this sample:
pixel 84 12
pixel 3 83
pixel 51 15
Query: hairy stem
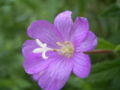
pixel 99 51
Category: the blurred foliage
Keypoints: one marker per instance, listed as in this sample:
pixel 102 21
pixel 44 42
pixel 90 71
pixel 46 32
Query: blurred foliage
pixel 104 18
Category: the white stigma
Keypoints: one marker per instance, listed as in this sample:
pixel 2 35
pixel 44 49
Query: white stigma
pixel 43 49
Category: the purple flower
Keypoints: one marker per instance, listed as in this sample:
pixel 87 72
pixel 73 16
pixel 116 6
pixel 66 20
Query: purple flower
pixel 57 50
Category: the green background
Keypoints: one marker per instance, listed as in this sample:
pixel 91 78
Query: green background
pixel 104 19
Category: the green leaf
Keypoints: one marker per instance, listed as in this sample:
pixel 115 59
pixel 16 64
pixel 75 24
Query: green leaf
pixel 112 10
pixel 117 50
pixel 103 76
pixel 105 65
pixel 15 83
pixel 104 44
pixel 104 71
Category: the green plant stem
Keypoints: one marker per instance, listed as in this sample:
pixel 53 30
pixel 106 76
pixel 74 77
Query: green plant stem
pixel 99 51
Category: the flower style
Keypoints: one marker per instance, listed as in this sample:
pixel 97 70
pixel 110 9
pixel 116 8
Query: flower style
pixel 57 50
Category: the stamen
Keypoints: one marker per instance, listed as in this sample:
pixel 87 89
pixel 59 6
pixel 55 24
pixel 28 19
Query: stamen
pixel 66 42
pixel 66 48
pixel 43 49
pixel 59 44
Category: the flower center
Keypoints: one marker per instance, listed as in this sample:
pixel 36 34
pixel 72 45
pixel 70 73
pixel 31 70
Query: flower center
pixel 66 49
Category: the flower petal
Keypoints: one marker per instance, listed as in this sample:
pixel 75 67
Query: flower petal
pixel 80 29
pixel 28 47
pixel 33 62
pixel 32 65
pixel 88 44
pixel 82 65
pixel 36 64
pixel 45 31
pixel 54 77
pixel 36 76
pixel 63 22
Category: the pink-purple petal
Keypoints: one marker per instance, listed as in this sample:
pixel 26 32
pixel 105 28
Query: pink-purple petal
pixel 33 62
pixel 32 65
pixel 28 47
pixel 36 76
pixel 63 22
pixel 36 64
pixel 45 32
pixel 82 65
pixel 88 44
pixel 54 77
pixel 79 30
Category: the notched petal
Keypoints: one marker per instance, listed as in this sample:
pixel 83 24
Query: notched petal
pixel 63 22
pixel 79 30
pixel 88 44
